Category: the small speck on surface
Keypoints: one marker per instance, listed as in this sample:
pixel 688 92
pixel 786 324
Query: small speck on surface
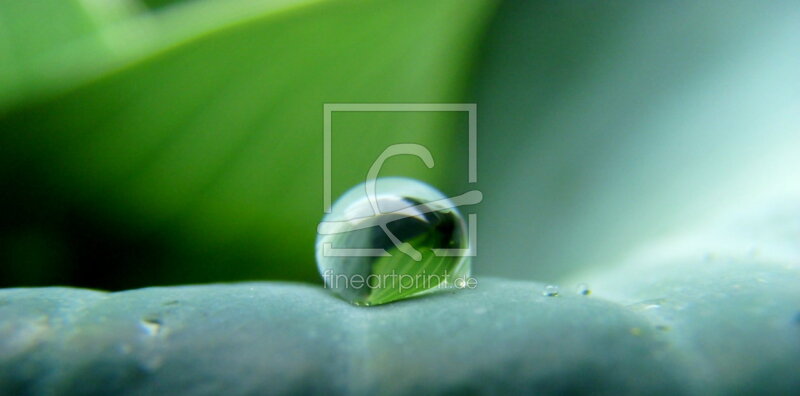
pixel 583 289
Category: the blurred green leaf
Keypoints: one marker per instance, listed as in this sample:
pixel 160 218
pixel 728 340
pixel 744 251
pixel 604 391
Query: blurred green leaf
pixel 201 134
pixel 37 35
pixel 156 4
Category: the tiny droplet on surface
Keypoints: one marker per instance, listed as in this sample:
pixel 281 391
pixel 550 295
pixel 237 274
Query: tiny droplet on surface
pixel 151 325
pixel 550 291
pixel 583 289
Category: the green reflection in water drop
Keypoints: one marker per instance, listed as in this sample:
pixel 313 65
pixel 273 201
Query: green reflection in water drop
pixel 416 244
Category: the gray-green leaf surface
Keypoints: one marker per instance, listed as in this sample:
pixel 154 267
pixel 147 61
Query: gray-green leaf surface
pixel 711 312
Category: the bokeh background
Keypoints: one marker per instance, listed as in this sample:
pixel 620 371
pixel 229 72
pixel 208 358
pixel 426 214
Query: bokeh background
pixel 172 142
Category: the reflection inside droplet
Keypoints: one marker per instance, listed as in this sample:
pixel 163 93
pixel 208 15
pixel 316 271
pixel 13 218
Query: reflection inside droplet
pixel 415 244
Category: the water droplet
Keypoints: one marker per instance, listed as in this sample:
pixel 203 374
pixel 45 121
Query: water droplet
pixel 583 289
pixel 550 291
pixel 151 326
pixel 392 239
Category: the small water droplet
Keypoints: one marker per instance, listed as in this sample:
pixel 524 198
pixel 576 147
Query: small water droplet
pixel 550 291
pixel 583 289
pixel 151 326
pixel 391 239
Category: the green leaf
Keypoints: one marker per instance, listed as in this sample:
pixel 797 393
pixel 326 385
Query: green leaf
pixel 35 36
pixel 202 135
pixel 401 277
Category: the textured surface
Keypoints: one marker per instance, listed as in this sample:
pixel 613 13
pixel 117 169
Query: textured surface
pixel 279 338
pixel 287 338
pixel 716 311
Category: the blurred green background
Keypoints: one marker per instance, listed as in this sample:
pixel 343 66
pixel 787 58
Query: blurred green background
pixel 170 142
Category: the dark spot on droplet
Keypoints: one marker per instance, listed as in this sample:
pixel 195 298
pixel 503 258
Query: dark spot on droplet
pixel 550 291
pixel 171 302
pixel 797 318
pixel 662 328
